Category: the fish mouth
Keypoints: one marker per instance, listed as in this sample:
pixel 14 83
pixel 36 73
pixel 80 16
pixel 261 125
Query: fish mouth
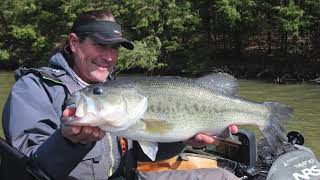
pixel 81 103
pixel 78 121
pixel 70 102
pixel 73 100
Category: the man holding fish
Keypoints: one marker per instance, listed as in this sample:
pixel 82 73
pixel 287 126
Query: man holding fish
pixel 38 122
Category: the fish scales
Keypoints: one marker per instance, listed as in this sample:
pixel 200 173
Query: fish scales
pixel 169 109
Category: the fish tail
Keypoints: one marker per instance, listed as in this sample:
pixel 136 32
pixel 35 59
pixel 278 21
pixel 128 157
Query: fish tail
pixel 273 130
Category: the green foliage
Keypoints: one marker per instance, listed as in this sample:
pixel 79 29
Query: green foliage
pixel 4 55
pixel 29 29
pixel 23 33
pixel 170 21
pixel 237 12
pixel 232 16
pixel 184 35
pixel 39 44
pixel 291 18
pixel 145 55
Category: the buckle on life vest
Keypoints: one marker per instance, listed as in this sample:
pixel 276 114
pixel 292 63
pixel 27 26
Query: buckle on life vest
pixel 124 145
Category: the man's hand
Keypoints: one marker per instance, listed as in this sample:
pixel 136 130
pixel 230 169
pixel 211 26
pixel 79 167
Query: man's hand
pixel 201 140
pixel 80 134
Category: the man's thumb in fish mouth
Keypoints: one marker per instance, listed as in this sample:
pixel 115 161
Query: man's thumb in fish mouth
pixel 69 112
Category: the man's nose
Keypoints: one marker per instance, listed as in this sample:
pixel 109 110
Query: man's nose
pixel 108 55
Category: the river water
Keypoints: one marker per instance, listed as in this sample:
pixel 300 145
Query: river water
pixel 303 98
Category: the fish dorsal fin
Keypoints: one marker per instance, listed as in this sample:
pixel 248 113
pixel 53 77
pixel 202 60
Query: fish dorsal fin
pixel 220 81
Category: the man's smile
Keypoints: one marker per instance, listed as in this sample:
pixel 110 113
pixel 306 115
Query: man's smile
pixel 101 65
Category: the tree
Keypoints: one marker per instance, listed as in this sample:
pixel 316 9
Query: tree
pixel 291 21
pixel 239 17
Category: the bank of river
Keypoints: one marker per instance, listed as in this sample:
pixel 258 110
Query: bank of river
pixel 303 98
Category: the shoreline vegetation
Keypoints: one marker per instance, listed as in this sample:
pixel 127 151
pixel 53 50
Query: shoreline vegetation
pixel 275 41
pixel 280 70
pixel 277 70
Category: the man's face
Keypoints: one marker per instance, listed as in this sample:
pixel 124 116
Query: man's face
pixel 93 62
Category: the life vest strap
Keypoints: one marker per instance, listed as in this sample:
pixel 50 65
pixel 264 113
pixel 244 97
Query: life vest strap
pixel 124 145
pixel 184 161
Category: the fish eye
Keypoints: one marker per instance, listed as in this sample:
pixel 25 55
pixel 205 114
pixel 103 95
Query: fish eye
pixel 97 90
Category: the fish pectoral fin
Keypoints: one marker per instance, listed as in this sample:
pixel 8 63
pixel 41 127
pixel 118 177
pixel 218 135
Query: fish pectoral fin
pixel 149 148
pixel 157 126
pixel 226 136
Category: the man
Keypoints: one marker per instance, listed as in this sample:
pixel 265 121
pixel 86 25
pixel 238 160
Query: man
pixel 32 114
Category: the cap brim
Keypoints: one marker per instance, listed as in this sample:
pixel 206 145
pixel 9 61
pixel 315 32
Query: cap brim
pixel 100 39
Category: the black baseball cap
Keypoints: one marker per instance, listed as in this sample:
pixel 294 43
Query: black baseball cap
pixel 102 32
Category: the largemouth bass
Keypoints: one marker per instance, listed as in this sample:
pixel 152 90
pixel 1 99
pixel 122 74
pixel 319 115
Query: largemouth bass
pixel 171 109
